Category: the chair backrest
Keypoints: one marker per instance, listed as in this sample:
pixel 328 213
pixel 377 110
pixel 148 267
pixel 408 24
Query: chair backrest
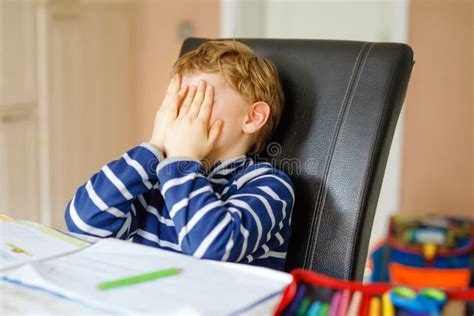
pixel 343 99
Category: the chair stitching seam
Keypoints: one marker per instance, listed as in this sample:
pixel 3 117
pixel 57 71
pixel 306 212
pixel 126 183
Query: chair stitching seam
pixel 313 227
pixel 372 153
pixel 359 75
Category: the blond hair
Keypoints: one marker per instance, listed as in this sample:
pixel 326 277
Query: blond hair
pixel 253 77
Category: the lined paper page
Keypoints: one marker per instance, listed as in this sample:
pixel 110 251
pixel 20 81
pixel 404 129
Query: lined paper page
pixel 22 242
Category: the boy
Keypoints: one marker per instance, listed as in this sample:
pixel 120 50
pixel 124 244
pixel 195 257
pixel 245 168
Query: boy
pixel 194 188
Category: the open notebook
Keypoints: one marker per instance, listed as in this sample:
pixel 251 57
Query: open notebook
pixel 24 241
pixel 203 286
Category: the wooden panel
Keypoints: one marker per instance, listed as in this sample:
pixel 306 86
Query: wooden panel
pixel 438 168
pixel 18 127
pixel 18 164
pixel 17 52
pixel 89 90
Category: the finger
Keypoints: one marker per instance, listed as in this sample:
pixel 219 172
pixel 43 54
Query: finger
pixel 172 85
pixel 172 90
pixel 177 83
pixel 183 110
pixel 197 102
pixel 182 92
pixel 206 108
pixel 178 99
pixel 214 132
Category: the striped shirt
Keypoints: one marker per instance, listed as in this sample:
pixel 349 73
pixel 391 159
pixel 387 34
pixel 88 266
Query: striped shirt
pixel 238 211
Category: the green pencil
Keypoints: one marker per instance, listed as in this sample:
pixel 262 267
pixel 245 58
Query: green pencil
pixel 138 278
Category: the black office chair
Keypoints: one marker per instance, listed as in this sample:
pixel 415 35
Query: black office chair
pixel 343 99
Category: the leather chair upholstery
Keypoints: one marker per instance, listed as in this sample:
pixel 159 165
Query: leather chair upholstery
pixel 343 99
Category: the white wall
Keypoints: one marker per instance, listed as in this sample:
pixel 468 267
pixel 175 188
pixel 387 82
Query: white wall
pixel 382 21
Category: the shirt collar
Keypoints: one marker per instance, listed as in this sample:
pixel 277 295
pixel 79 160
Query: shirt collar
pixel 232 163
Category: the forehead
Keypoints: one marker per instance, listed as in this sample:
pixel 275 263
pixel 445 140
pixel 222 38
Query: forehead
pixel 214 79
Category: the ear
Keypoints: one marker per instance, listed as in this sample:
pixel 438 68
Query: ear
pixel 256 118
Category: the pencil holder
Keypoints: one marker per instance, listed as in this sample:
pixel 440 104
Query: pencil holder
pixel 315 294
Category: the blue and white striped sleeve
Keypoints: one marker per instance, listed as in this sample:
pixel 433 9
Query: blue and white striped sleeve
pixel 226 230
pixel 105 206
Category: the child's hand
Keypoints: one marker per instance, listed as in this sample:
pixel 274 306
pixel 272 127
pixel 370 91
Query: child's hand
pixel 167 112
pixel 190 135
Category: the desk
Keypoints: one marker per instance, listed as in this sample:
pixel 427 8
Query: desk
pixel 20 300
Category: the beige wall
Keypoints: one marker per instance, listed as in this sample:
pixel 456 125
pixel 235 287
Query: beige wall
pixel 157 46
pixel 438 169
